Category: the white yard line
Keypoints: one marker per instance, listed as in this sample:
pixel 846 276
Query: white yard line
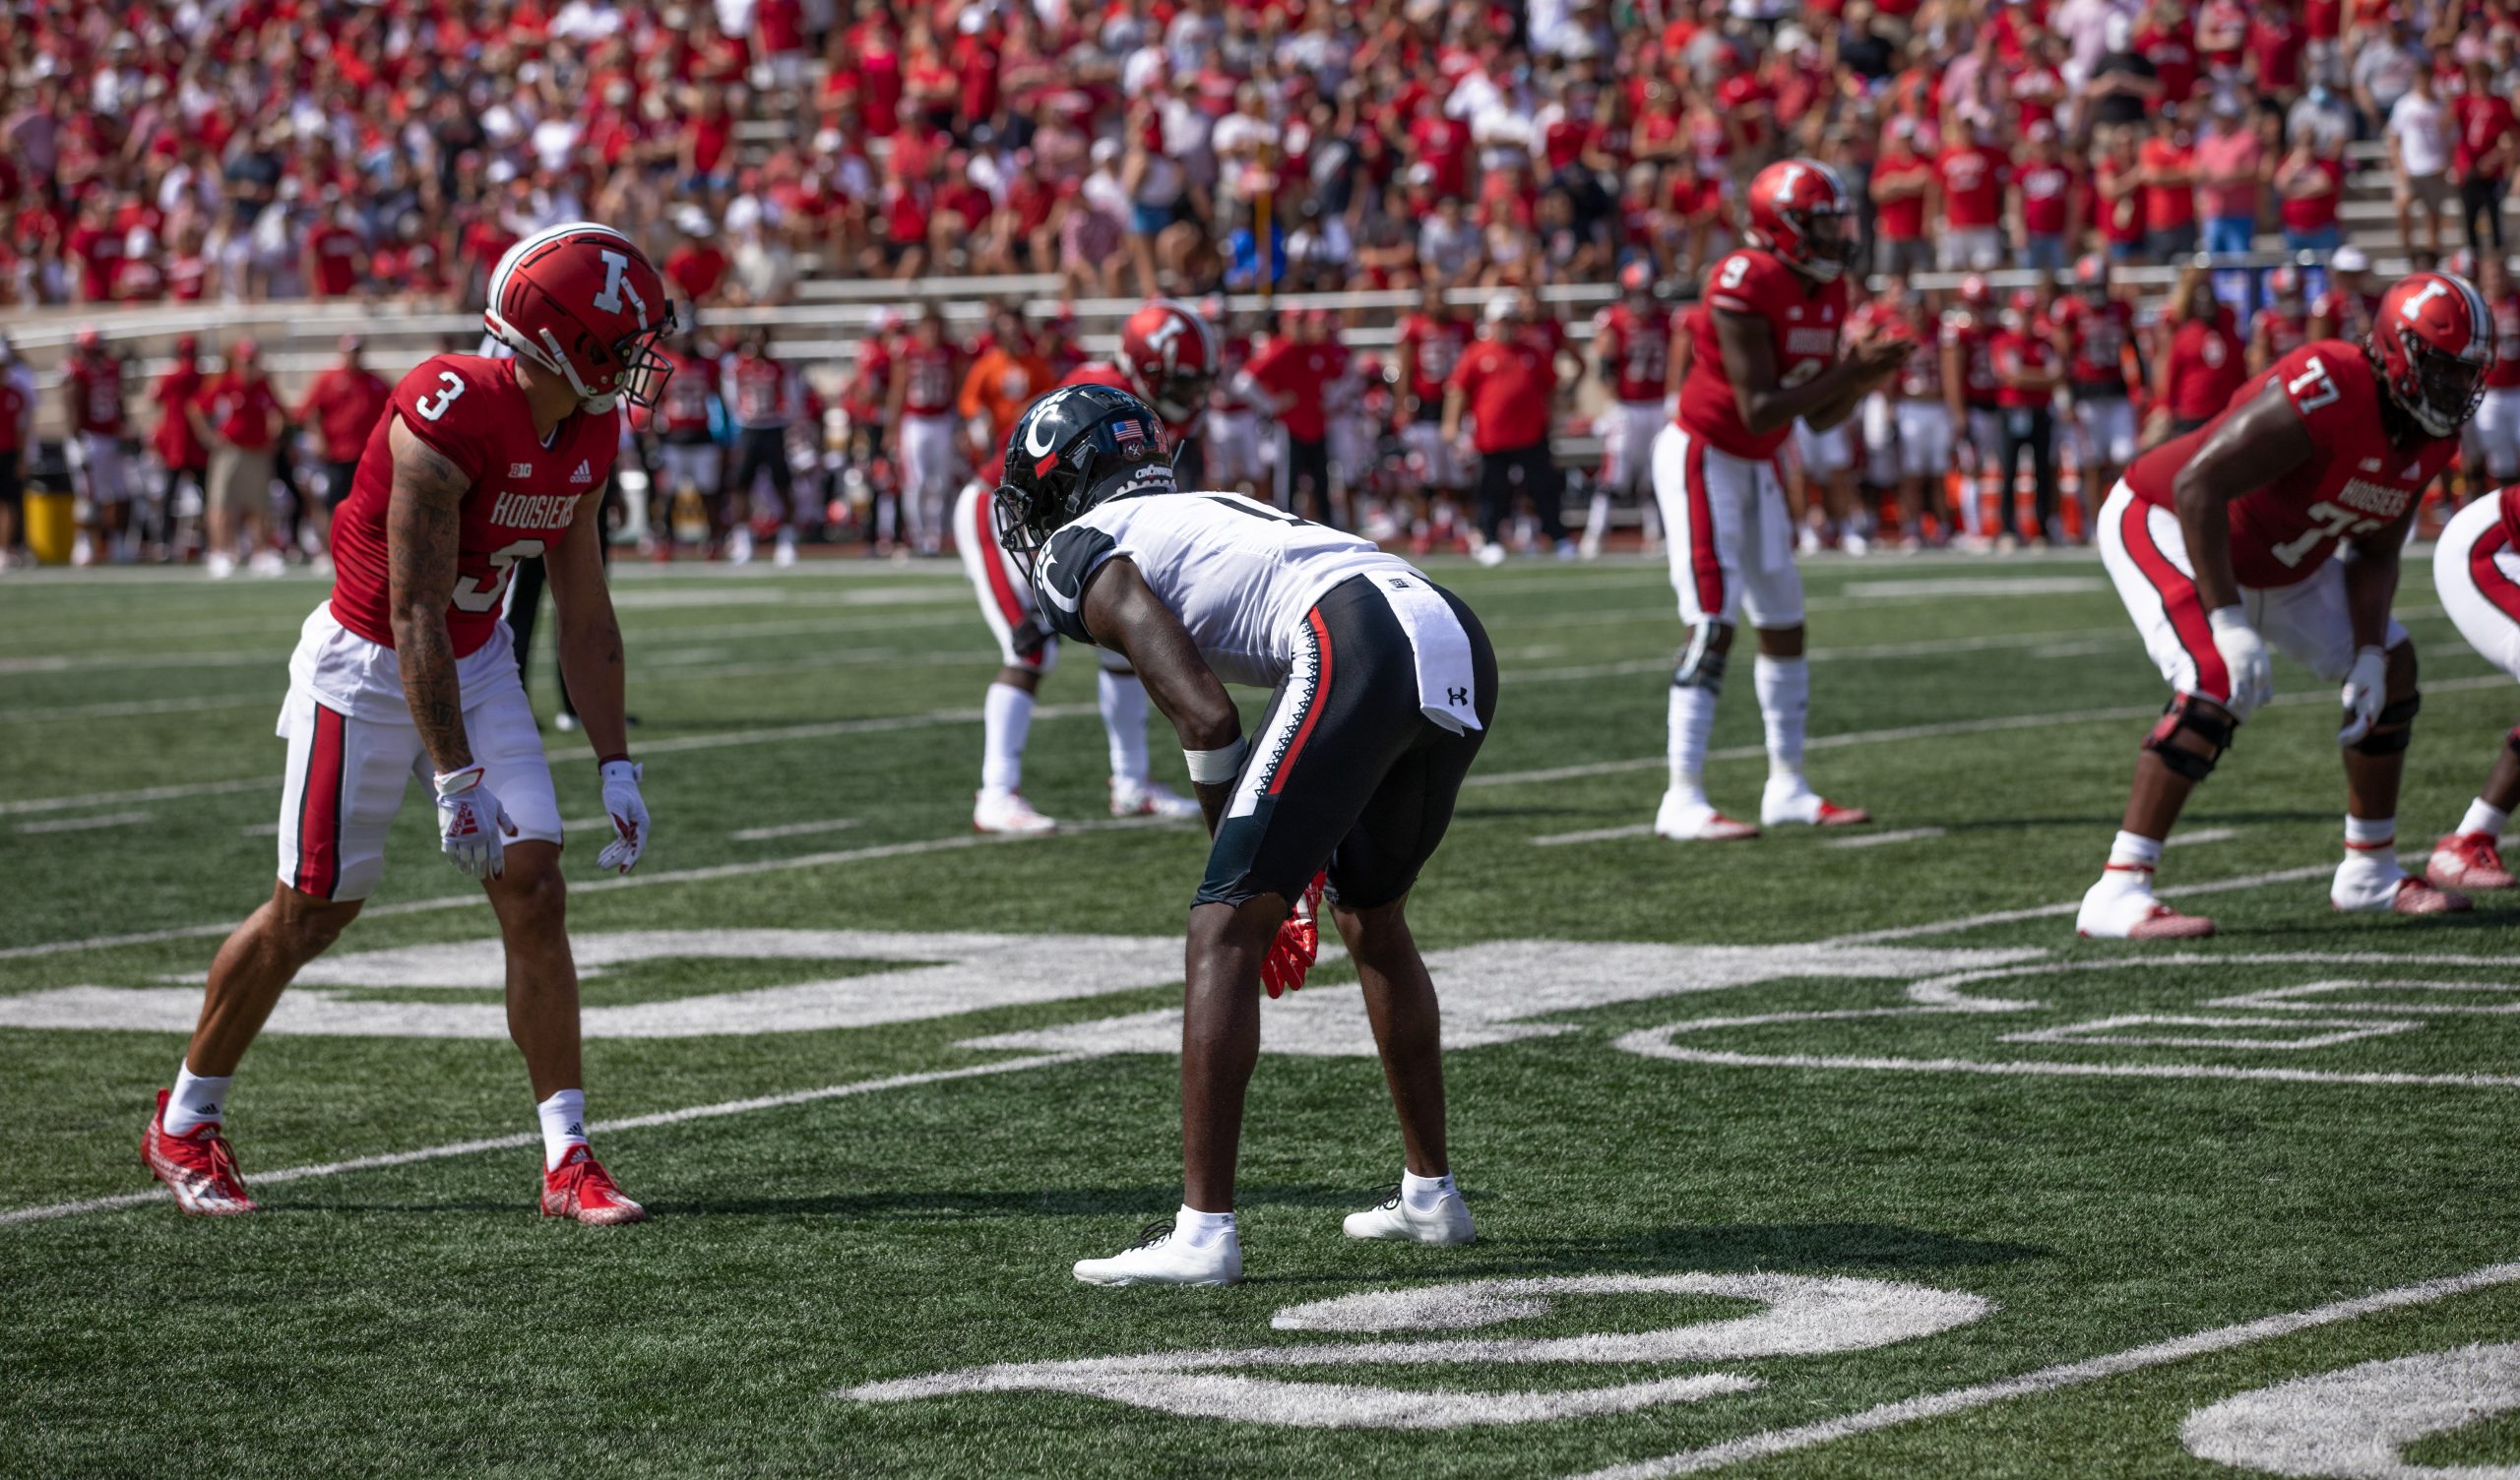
pixel 2200 835
pixel 949 843
pixel 2053 1379
pixel 85 824
pixel 528 1138
pixel 1598 835
pixel 792 829
pixel 1881 839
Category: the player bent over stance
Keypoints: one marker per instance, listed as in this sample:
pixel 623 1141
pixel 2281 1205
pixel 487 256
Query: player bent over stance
pixel 406 673
pixel 1761 355
pixel 2281 519
pixel 2477 570
pixel 1385 684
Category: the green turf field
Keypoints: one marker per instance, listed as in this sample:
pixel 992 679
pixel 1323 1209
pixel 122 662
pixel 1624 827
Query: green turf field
pixel 1825 1154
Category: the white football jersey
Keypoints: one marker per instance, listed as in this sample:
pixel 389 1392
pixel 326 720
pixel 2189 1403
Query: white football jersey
pixel 1238 572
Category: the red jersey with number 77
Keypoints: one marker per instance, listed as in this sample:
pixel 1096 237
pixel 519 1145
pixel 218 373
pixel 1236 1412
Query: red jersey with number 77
pixel 523 498
pixel 2356 483
pixel 1803 319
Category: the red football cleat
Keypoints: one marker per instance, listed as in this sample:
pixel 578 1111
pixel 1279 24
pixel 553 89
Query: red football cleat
pixel 1834 816
pixel 2416 897
pixel 580 1188
pixel 2159 922
pixel 200 1169
pixel 2467 860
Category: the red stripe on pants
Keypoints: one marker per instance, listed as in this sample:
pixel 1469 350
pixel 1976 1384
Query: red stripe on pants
pixel 993 558
pixel 2179 600
pixel 1705 563
pixel 1312 710
pixel 319 810
pixel 2494 586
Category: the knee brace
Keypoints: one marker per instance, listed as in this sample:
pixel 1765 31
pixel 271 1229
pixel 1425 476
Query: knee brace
pixel 2393 728
pixel 1701 662
pixel 2179 714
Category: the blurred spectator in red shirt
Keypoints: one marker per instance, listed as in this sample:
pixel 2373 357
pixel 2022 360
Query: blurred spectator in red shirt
pixel 344 403
pixel 2482 157
pixel 2169 162
pixel 238 418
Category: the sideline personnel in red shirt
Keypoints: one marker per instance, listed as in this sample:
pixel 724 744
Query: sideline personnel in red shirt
pixel 344 403
pixel 1508 382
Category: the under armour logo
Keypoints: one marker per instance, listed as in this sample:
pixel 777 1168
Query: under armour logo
pixel 1458 698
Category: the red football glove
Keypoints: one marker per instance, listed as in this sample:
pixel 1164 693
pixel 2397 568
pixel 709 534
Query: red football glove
pixel 1299 942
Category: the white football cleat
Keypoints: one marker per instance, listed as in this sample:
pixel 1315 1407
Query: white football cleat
pixel 785 555
pixel 1684 819
pixel 1797 806
pixel 268 564
pixel 1159 1259
pixel 1491 553
pixel 739 545
pixel 2369 882
pixel 1151 799
pixel 2120 908
pixel 995 811
pixel 1448 1223
pixel 1855 544
pixel 218 565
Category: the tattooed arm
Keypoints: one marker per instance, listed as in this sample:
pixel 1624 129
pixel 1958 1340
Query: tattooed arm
pixel 590 635
pixel 422 522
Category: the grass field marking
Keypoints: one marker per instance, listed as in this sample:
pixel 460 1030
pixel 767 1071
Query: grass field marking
pixel 1801 1314
pixel 2287 998
pixel 1881 839
pixel 792 829
pixel 88 824
pixel 952 842
pixel 2201 837
pixel 1992 585
pixel 2352 1422
pixel 2053 1378
pixel 2112 1030
pixel 1596 835
pixel 534 1138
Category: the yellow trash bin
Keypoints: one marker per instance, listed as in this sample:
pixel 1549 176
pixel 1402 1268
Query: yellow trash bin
pixel 51 527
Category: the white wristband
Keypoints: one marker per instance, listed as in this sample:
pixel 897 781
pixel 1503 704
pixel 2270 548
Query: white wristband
pixel 2225 618
pixel 1215 767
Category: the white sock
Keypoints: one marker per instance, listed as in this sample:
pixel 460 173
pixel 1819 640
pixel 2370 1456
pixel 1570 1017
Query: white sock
pixel 196 1100
pixel 564 1125
pixel 1202 1230
pixel 2369 834
pixel 1784 699
pixel 1692 722
pixel 2484 818
pixel 1596 519
pixel 2131 860
pixel 1006 718
pixel 1421 1194
pixel 1123 700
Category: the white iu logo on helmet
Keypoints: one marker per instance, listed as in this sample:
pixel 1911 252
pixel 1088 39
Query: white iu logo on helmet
pixel 616 282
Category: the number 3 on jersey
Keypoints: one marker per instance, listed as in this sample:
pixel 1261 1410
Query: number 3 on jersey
pixel 434 407
pixel 472 596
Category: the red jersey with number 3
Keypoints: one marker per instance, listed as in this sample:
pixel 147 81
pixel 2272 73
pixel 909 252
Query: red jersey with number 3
pixel 1638 347
pixel 2356 483
pixel 522 495
pixel 1803 318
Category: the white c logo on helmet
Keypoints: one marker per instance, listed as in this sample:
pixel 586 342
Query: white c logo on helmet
pixel 1036 439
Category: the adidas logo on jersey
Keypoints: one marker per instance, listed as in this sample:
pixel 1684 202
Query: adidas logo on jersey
pixel 583 474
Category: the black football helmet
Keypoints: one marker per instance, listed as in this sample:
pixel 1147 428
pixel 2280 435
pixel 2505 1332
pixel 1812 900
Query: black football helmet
pixel 1071 450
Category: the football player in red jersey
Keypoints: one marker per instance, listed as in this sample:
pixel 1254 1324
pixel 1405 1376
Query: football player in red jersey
pixel 685 422
pixel 1974 395
pixel 1909 424
pixel 1632 354
pixel 1431 341
pixel 2346 311
pixel 2283 324
pixel 92 392
pixel 2099 327
pixel 2225 539
pixel 406 672
pixel 928 375
pixel 1167 357
pixel 1765 354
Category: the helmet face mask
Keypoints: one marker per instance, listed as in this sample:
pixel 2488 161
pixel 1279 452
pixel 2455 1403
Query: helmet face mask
pixel 1075 448
pixel 2447 387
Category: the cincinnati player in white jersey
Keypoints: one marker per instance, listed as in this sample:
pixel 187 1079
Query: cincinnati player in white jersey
pixel 1763 354
pixel 2475 569
pixel 1384 685
pixel 407 674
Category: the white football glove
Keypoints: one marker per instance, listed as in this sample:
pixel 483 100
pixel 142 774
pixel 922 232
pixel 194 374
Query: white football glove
pixel 2367 687
pixel 470 824
pixel 629 814
pixel 2244 653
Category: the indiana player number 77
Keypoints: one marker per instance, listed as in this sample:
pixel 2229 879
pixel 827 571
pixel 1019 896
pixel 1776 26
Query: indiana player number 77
pixel 407 674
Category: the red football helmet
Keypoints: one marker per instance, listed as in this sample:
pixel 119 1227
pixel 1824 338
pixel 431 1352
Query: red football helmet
pixel 1799 211
pixel 1636 280
pixel 583 300
pixel 1170 357
pixel 2433 342
pixel 1974 294
pixel 2091 274
pixel 2283 285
